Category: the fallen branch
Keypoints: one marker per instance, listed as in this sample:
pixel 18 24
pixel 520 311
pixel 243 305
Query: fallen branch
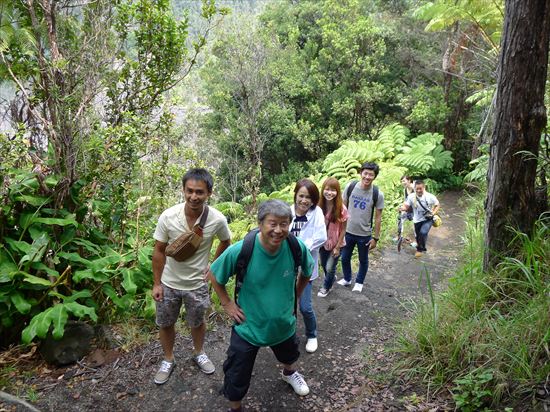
pixel 14 399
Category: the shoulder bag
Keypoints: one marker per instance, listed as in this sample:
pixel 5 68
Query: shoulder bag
pixel 187 244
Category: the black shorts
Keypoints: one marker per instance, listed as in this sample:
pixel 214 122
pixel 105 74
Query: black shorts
pixel 239 364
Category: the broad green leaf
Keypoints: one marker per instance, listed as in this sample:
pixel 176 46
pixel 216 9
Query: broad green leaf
pixel 25 220
pixel 59 317
pixel 19 245
pixel 85 293
pixel 79 275
pixel 38 327
pixel 145 256
pixel 91 247
pixel 68 235
pixel 32 200
pixel 35 280
pixel 37 249
pixel 129 283
pixel 56 221
pixel 41 266
pixel 80 310
pixel 7 270
pixel 74 257
pixel 22 305
pixel 113 295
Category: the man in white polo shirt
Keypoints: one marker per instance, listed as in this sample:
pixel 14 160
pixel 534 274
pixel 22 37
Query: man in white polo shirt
pixel 184 282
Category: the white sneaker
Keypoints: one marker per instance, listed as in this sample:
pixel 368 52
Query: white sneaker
pixel 164 372
pixel 358 287
pixel 323 292
pixel 204 363
pixel 311 345
pixel 414 244
pixel 344 282
pixel 297 382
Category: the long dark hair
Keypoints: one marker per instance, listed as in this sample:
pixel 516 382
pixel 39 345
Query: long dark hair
pixel 336 214
pixel 311 189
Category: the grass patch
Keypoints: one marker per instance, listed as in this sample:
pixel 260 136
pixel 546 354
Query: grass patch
pixel 487 337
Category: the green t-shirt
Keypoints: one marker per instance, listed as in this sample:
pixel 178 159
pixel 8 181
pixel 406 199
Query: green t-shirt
pixel 267 294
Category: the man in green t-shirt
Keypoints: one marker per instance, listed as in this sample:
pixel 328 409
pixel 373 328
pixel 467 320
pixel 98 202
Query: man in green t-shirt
pixel 264 315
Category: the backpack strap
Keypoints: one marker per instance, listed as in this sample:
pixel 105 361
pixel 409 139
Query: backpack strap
pixel 243 259
pixel 246 253
pixel 297 255
pixel 374 201
pixel 349 190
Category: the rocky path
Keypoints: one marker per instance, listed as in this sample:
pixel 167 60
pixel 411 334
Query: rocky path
pixel 350 371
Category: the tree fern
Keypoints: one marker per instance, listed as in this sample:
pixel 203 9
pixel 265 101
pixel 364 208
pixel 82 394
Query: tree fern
pixel 425 153
pixel 391 139
pixel 479 174
pixel 345 161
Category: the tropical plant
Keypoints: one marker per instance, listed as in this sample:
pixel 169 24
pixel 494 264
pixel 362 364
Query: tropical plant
pixel 55 264
pixel 425 153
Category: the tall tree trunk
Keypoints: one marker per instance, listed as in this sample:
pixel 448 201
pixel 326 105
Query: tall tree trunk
pixel 520 117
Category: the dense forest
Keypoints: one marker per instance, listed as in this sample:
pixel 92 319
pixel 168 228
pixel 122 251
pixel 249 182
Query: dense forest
pixel 106 104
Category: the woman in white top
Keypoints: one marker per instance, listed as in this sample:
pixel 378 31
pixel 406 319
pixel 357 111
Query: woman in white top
pixel 424 206
pixel 308 224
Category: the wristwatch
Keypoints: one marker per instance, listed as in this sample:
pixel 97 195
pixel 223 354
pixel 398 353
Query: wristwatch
pixel 376 238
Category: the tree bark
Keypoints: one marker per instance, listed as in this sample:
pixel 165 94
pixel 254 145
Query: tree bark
pixel 520 117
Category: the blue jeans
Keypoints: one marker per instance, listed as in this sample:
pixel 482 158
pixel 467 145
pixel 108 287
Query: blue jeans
pixel 328 263
pixel 362 243
pixel 422 229
pixel 306 308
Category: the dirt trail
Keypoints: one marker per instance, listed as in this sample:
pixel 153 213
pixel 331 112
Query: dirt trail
pixel 350 370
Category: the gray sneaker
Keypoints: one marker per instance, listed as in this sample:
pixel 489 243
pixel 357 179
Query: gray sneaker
pixel 164 372
pixel 204 363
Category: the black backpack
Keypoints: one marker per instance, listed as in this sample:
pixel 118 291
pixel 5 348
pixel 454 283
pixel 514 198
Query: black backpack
pixel 374 197
pixel 246 254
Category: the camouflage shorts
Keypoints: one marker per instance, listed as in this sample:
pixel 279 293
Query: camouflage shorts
pixel 196 303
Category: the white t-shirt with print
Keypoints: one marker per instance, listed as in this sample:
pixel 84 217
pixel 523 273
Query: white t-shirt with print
pixel 428 200
pixel 189 274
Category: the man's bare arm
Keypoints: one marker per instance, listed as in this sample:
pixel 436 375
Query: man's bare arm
pixel 159 260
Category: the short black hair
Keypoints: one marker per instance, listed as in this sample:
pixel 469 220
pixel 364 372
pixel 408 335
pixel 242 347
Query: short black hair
pixel 199 174
pixel 419 182
pixel 370 166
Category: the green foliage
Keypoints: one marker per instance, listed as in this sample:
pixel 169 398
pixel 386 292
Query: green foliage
pixel 490 335
pixel 484 15
pixel 55 264
pixel 425 154
pixel 469 392
pixel 346 161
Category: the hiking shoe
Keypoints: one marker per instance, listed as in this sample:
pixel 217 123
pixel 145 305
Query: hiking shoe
pixel 418 255
pixel 311 345
pixel 323 292
pixel 204 364
pixel 297 382
pixel 414 244
pixel 358 287
pixel 164 372
pixel 344 282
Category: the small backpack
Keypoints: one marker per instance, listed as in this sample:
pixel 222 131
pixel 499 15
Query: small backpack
pixel 246 253
pixel 374 197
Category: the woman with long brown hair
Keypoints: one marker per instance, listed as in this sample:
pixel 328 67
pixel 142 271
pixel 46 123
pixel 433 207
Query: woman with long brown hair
pixel 336 216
